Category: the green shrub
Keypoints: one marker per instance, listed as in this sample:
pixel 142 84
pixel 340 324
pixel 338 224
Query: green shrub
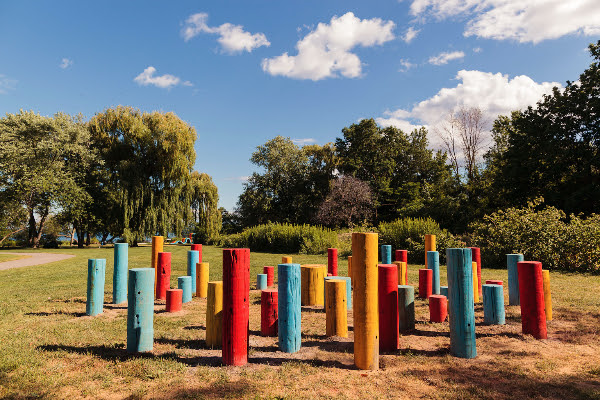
pixel 544 235
pixel 409 234
pixel 283 238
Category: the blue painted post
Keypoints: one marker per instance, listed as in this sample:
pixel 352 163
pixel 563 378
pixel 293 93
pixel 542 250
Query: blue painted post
pixel 493 305
pixel 406 307
pixel 140 310
pixel 386 254
pixel 95 286
pixel 120 273
pixel 461 303
pixel 193 258
pixel 348 289
pixel 433 263
pixel 185 284
pixel 288 307
pixel 444 291
pixel 261 281
pixel 513 278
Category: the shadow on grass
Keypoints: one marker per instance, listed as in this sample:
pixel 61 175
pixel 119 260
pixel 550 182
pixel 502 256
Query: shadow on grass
pixel 48 314
pixel 195 327
pixel 278 361
pixel 313 309
pixel 217 390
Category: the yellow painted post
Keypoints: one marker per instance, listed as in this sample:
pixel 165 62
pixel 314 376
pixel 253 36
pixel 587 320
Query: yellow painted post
pixel 286 260
pixel 202 279
pixel 475 283
pixel 401 272
pixel 429 245
pixel 312 284
pixel 366 314
pixel 157 247
pixel 547 294
pixel 336 312
pixel 214 315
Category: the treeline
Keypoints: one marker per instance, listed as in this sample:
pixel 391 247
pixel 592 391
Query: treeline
pixel 123 174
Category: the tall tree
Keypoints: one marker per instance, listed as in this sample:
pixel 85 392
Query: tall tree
pixel 349 202
pixel 204 203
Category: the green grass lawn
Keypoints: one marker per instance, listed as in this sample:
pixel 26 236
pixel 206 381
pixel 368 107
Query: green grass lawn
pixel 49 349
pixel 10 257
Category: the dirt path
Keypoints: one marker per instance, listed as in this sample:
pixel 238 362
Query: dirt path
pixel 33 259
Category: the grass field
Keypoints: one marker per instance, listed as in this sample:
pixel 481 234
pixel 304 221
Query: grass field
pixel 50 349
pixel 10 257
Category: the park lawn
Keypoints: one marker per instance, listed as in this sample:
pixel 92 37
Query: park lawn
pixel 50 349
pixel 10 257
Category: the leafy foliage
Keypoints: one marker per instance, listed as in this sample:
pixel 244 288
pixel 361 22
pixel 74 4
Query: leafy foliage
pixel 205 199
pixel 350 202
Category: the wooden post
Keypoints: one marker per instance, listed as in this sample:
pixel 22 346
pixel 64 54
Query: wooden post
pixel 350 266
pixel 425 280
pixel 120 272
pixel 185 284
pixel 193 258
pixel 460 301
pixel 268 312
pixel 493 305
pixel 366 315
pixel 289 308
pixel 406 308
pixel 401 272
pixel 261 281
pixel 513 278
pixel 438 308
pixel 388 307
pixel 547 294
pixel 202 274
pixel 214 315
pixel 236 311
pixel 157 247
pixel 140 310
pixel 336 321
pixel 475 285
pixel 493 282
pixel 444 291
pixel 433 263
pixel 332 262
pixel 531 296
pixel 429 246
pixel 174 300
pixel 163 265
pixel 348 289
pixel 386 254
pixel 313 291
pixel 476 255
pixel 96 275
pixel 286 260
pixel 402 255
pixel 197 247
pixel 270 271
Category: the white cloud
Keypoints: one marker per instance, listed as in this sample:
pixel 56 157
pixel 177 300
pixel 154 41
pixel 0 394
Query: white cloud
pixel 410 34
pixel 65 63
pixel 162 81
pixel 238 178
pixel 302 142
pixel 523 21
pixel 7 84
pixel 406 65
pixel 325 52
pixel 232 38
pixel 477 50
pixel 444 58
pixel 494 94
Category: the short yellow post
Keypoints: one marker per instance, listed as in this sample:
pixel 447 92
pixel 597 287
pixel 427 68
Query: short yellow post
pixel 429 245
pixel 202 279
pixel 312 284
pixel 336 312
pixel 214 315
pixel 286 260
pixel 401 272
pixel 475 283
pixel 157 247
pixel 547 294
pixel 366 313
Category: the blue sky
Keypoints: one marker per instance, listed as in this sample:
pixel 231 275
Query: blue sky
pixel 242 72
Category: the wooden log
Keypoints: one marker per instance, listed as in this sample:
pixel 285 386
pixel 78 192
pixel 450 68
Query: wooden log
pixel 493 282
pixel 476 257
pixel 261 281
pixel 348 289
pixel 425 280
pixel 336 319
pixel 286 260
pixel 406 308
pixel 438 308
pixel 164 275
pixel 214 315
pixel 513 278
pixel 289 307
pixel 157 247
pixel 193 258
pixel 350 266
pixel 202 276
pixel 386 254
pixel 236 311
pixel 185 284
pixel 493 304
pixel 96 275
pixel 121 261
pixel 401 272
pixel 268 312
pixel 270 271
pixel 174 300
pixel 313 290
pixel 444 291
pixel 433 263
pixel 547 294
pixel 402 255
pixel 429 246
pixel 531 296
pixel 140 310
pixel 475 284
pixel 332 262
pixel 388 307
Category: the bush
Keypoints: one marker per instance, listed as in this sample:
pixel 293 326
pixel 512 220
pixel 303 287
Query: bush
pixel 542 235
pixel 409 234
pixel 283 238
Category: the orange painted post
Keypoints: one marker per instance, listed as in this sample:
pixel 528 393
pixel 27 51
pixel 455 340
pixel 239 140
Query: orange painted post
pixel 401 272
pixel 547 294
pixel 202 273
pixel 157 247
pixel 429 246
pixel 214 315
pixel 475 282
pixel 286 260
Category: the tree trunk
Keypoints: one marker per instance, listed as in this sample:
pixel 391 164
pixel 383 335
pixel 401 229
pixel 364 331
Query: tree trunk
pixel 32 228
pixel 12 233
pixel 80 238
pixel 72 236
pixel 87 238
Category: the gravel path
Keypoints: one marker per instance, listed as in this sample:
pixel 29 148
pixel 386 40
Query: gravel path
pixel 33 259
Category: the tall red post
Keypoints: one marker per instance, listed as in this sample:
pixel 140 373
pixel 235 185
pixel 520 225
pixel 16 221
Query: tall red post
pixel 425 281
pixel 268 312
pixel 476 257
pixel 388 307
pixel 163 274
pixel 332 262
pixel 270 271
pixel 402 255
pixel 198 248
pixel 236 311
pixel 531 295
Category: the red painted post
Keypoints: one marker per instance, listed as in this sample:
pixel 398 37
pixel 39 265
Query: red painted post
pixel 163 274
pixel 476 257
pixel 493 282
pixel 174 300
pixel 236 311
pixel 270 271
pixel 402 255
pixel 531 295
pixel 388 307
pixel 268 312
pixel 438 308
pixel 332 262
pixel 198 248
pixel 425 280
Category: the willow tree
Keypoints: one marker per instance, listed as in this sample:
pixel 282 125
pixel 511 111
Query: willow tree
pixel 204 204
pixel 148 159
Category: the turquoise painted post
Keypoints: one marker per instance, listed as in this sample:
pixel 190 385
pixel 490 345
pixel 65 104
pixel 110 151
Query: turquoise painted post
pixel 348 289
pixel 95 286
pixel 493 305
pixel 513 278
pixel 461 303
pixel 185 284
pixel 406 307
pixel 261 281
pixel 386 254
pixel 121 255
pixel 193 258
pixel 444 291
pixel 433 263
pixel 140 310
pixel 288 307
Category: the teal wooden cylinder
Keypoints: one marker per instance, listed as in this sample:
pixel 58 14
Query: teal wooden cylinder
pixel 386 254
pixel 513 278
pixel 461 303
pixel 185 284
pixel 95 286
pixel 288 307
pixel 140 310
pixel 348 289
pixel 406 307
pixel 444 291
pixel 121 257
pixel 261 281
pixel 493 305
pixel 433 263
pixel 193 258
